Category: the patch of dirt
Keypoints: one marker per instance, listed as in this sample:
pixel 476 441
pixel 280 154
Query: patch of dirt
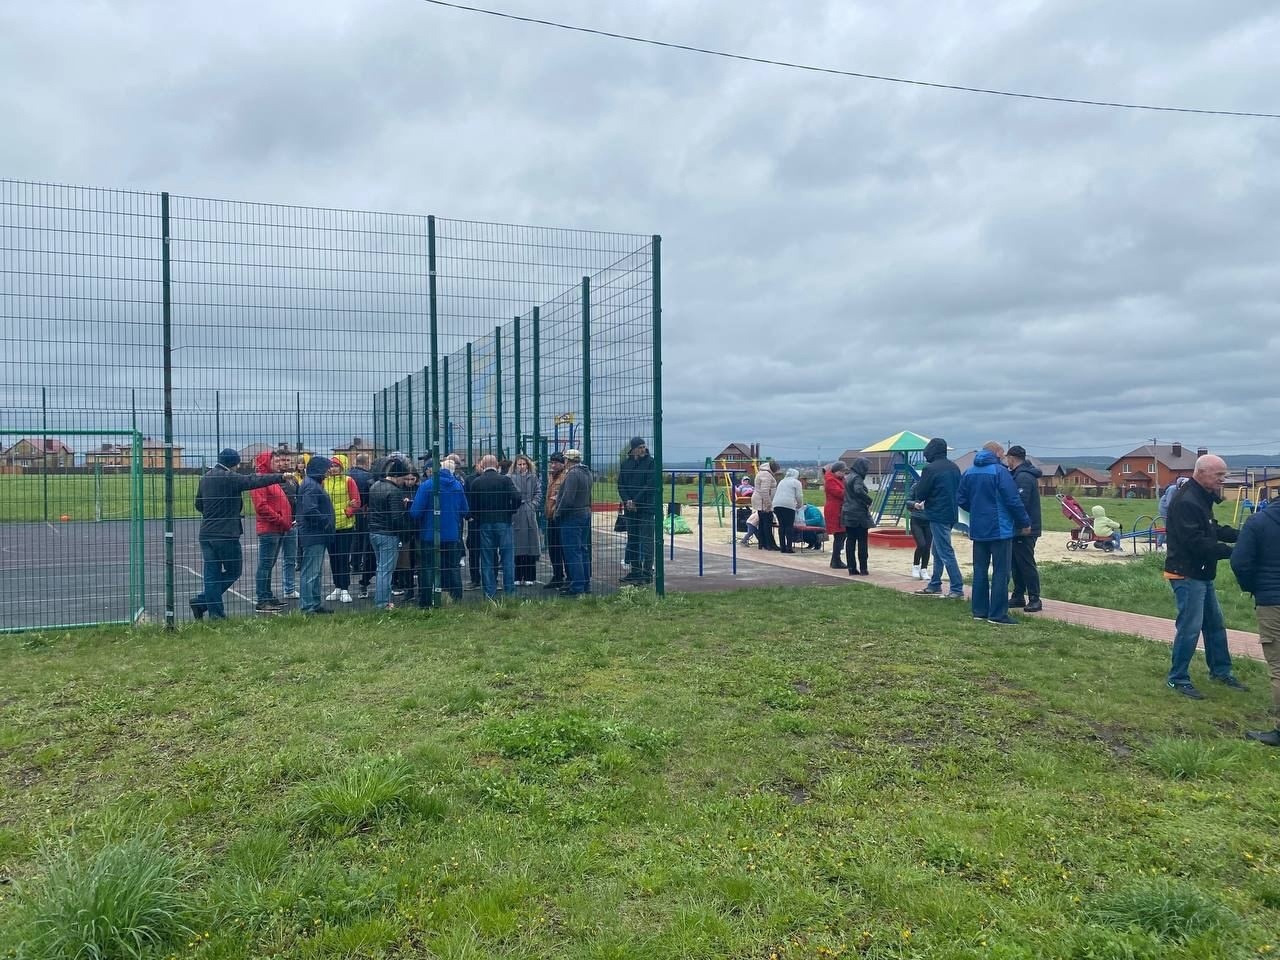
pixel 1115 739
pixel 802 688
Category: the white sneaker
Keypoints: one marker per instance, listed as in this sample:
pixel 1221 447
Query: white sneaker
pixel 345 597
pixel 915 571
pixel 334 595
pixel 293 595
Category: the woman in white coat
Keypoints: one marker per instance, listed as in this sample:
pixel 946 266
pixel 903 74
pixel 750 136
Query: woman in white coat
pixel 788 500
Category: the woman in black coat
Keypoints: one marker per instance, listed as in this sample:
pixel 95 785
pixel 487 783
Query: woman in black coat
pixel 855 514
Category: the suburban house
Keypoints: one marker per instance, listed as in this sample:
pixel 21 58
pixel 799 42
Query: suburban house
pixel 738 458
pixel 357 445
pixel 121 455
pixel 28 453
pixel 1145 471
pixel 1095 483
pixel 1053 475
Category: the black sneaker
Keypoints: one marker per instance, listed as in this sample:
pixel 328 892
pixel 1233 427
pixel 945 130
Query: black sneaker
pixel 1017 602
pixel 268 606
pixel 1270 737
pixel 1034 606
pixel 1003 621
pixel 198 608
pixel 926 592
pixel 1231 682
pixel 1186 689
pixel 555 585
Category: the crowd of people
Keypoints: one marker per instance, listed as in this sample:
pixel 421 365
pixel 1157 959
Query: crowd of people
pixel 1001 494
pixel 378 522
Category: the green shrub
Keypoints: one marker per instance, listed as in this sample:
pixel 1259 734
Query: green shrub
pixel 1189 759
pixel 357 798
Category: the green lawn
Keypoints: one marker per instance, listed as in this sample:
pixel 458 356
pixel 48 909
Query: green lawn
pixel 824 772
pixel 1138 586
pixel 81 497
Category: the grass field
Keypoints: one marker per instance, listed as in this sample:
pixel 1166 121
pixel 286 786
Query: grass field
pixel 1137 586
pixel 828 772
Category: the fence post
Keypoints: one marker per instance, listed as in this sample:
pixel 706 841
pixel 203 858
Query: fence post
pixel 409 403
pixel 537 400
pixel 386 422
pixel 444 402
pixel 515 410
pixel 398 446
pixel 586 372
pixel 44 448
pixel 166 295
pixel 471 444
pixel 659 565
pixel 497 384
pixel 435 412
pixel 426 411
pixel 297 412
pixel 377 447
pixel 217 420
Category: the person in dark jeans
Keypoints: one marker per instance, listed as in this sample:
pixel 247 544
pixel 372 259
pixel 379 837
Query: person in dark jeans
pixel 473 538
pixel 637 489
pixel 387 510
pixel 573 510
pixel 363 561
pixel 1196 543
pixel 1026 575
pixel 493 501
pixel 555 542
pixel 315 530
pixel 453 507
pixel 220 503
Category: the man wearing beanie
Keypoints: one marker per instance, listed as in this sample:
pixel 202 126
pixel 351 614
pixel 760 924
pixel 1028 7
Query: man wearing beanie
pixel 220 503
pixel 637 489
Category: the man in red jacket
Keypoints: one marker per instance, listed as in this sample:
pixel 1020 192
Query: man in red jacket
pixel 275 520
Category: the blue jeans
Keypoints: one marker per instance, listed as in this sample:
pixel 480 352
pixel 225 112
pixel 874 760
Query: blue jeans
pixel 497 543
pixel 989 598
pixel 386 549
pixel 575 534
pixel 944 555
pixel 289 575
pixel 1198 611
pixel 222 562
pixel 312 564
pixel 268 549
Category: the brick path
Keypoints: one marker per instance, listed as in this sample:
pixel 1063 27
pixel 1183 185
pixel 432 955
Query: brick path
pixel 1240 642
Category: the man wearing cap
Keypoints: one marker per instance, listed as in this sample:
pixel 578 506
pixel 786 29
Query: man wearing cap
pixel 573 510
pixel 1026 576
pixel 555 545
pixel 220 503
pixel 637 488
pixel 451 505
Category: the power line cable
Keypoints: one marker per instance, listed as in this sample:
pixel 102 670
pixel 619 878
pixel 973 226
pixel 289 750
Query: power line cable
pixel 955 87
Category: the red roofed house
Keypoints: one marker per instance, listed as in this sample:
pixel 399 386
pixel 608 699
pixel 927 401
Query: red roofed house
pixel 1093 482
pixel 28 453
pixel 1150 468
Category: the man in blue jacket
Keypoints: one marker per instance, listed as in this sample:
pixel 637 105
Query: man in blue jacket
pixel 453 507
pixel 316 527
pixel 1256 563
pixel 935 497
pixel 996 515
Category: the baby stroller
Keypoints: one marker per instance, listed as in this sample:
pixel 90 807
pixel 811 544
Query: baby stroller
pixel 1082 533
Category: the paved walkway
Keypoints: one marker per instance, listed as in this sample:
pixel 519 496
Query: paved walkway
pixel 809 568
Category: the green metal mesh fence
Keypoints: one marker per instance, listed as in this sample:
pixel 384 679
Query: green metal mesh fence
pixel 202 325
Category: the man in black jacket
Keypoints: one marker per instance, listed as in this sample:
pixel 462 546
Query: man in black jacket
pixel 220 503
pixel 493 499
pixel 1256 562
pixel 363 561
pixel 637 489
pixel 1196 543
pixel 935 494
pixel 1026 575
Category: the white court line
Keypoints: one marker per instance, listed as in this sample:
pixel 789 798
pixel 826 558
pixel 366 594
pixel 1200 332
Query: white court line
pixel 200 576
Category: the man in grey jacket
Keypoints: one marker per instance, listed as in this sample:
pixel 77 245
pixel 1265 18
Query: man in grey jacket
pixel 573 513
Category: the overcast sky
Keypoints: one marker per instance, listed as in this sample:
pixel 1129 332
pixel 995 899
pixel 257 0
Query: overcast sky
pixel 842 258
